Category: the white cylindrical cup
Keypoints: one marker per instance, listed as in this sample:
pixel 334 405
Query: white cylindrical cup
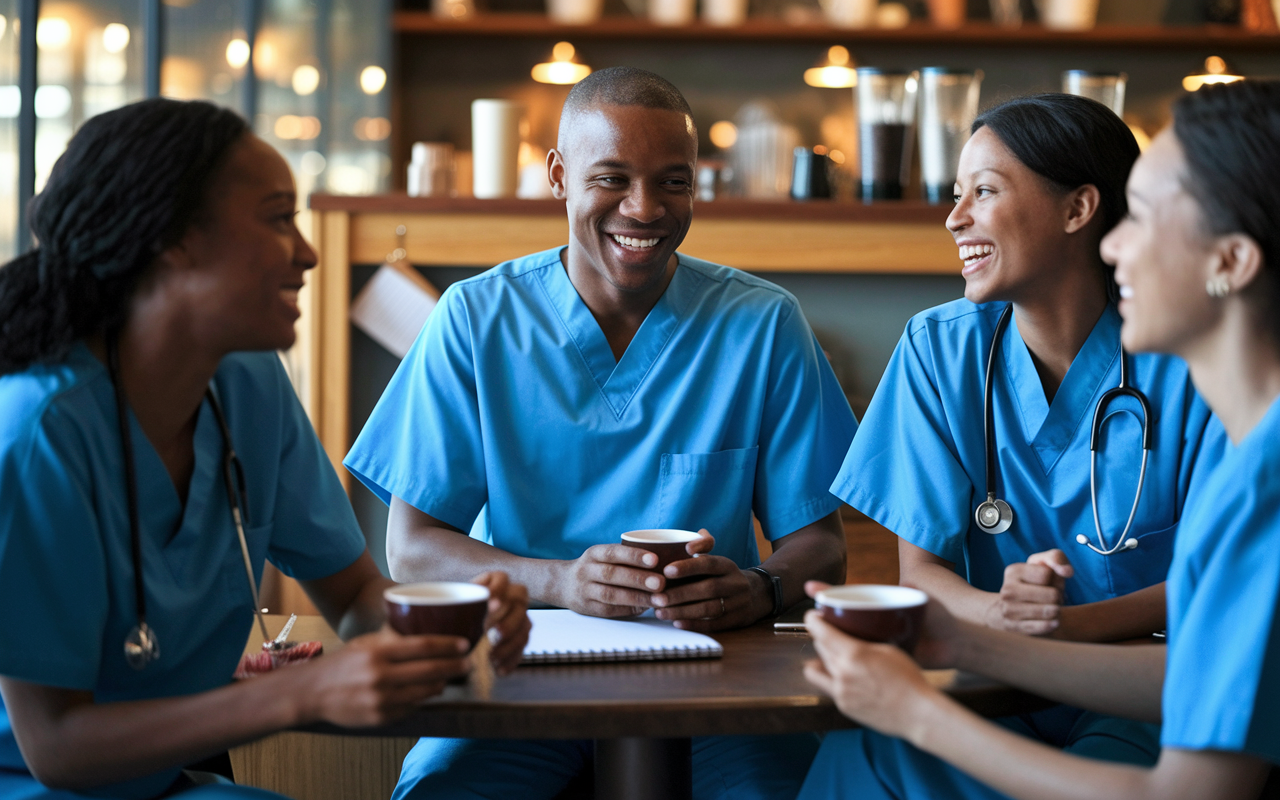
pixel 727 12
pixel 1068 15
pixel 495 147
pixel 850 13
pixel 671 12
pixel 574 12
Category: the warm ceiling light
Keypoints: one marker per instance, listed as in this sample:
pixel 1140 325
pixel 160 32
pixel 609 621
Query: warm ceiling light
pixel 1215 71
pixel 836 72
pixel 723 134
pixel 115 37
pixel 237 53
pixel 561 69
pixel 306 79
pixel 53 33
pixel 372 79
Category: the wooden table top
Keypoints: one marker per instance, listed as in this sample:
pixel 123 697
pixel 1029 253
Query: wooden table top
pixel 757 687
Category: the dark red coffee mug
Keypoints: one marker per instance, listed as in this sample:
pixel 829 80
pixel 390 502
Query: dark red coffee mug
pixel 668 544
pixel 438 608
pixel 892 614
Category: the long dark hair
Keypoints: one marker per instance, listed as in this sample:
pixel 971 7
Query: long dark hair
pixel 1070 142
pixel 1230 137
pixel 129 186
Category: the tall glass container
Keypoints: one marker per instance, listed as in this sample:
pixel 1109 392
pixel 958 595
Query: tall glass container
pixel 948 105
pixel 886 116
pixel 1105 87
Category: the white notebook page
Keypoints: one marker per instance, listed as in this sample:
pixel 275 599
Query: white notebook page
pixel 563 636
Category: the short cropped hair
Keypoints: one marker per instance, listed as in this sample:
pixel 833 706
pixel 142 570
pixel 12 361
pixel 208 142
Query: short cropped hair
pixel 622 86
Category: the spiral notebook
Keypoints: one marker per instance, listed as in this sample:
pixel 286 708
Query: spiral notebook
pixel 560 636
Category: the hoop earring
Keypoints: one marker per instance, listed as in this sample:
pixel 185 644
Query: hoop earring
pixel 1217 287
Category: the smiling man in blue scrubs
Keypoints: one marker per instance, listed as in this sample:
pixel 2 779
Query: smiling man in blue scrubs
pixel 559 400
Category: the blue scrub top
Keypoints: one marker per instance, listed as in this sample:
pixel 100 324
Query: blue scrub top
pixel 917 464
pixel 511 401
pixel 66 575
pixel 1222 677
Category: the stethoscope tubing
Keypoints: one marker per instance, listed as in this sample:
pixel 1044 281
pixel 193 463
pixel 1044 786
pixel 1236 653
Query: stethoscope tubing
pixel 141 645
pixel 143 631
pixel 238 500
pixel 1099 416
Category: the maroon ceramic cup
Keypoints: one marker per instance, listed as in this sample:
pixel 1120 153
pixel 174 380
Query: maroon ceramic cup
pixel 439 608
pixel 892 614
pixel 667 544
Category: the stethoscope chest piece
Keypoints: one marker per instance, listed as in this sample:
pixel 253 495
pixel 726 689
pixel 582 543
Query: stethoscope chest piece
pixel 993 515
pixel 141 646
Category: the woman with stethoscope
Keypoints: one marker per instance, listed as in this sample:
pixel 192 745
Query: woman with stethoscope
pixel 1027 493
pixel 153 455
pixel 1198 269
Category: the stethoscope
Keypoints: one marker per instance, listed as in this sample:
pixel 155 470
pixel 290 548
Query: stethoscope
pixel 141 646
pixel 994 515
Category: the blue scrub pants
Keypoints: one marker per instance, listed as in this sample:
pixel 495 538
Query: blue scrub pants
pixel 724 767
pixel 866 765
pixel 21 786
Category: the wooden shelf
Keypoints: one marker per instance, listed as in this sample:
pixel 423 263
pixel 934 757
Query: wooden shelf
pixel 900 211
pixel 538 26
pixel 902 237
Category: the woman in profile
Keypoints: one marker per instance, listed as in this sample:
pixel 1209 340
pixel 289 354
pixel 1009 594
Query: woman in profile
pixel 1033 352
pixel 1197 262
pixel 151 447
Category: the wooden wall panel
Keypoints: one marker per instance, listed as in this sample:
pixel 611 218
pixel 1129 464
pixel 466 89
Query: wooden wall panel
pixel 313 766
pixel 465 240
pixel 332 295
pixel 823 246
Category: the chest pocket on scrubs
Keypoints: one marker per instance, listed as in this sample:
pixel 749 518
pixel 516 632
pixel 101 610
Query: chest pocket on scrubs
pixel 709 490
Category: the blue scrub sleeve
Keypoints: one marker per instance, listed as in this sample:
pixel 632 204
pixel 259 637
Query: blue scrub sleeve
pixel 422 442
pixel 903 470
pixel 315 533
pixel 1222 677
pixel 805 429
pixel 53 575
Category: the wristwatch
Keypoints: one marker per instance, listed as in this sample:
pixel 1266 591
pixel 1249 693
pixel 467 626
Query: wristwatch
pixel 776 582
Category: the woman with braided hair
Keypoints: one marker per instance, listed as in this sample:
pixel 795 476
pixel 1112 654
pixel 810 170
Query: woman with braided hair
pixel 135 349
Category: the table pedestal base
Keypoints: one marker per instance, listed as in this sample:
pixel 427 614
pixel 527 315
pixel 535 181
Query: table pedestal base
pixel 644 769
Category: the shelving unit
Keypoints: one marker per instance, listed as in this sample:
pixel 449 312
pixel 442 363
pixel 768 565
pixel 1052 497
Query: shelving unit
pixel 860 271
pixel 538 26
